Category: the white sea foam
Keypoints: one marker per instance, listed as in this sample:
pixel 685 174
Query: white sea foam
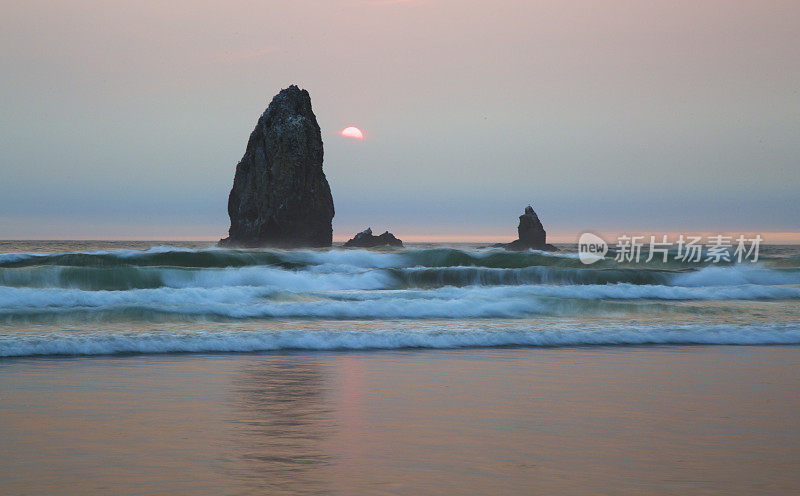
pixel 30 298
pixel 316 278
pixel 330 276
pixel 342 278
pixel 104 343
pixel 358 284
pixel 337 256
pixel 736 275
pixel 13 257
pixel 251 302
pixel 350 257
pixel 122 253
pixel 128 253
pixel 446 302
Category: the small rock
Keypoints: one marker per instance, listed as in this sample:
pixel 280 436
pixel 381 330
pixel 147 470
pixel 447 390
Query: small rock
pixel 365 239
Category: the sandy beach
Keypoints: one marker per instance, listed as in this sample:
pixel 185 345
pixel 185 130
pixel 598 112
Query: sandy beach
pixel 605 420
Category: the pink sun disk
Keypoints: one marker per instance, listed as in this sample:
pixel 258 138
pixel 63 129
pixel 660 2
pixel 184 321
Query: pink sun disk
pixel 352 132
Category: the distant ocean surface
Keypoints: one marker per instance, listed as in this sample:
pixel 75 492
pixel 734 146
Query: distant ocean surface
pixel 102 298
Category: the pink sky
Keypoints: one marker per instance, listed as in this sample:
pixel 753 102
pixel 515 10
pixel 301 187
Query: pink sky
pixel 127 119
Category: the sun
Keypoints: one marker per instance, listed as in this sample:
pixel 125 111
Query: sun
pixel 352 132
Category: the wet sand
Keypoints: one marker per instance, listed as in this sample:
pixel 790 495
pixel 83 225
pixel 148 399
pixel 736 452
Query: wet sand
pixel 604 420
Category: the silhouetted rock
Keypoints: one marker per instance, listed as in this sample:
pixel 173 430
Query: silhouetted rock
pixel 280 196
pixel 531 234
pixel 530 229
pixel 365 239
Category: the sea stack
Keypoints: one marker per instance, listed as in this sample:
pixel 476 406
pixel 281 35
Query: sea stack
pixel 280 196
pixel 365 239
pixel 531 234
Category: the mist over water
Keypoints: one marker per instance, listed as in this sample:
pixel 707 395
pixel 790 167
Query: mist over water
pixel 98 299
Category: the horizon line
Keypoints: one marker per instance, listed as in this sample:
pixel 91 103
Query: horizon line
pixel 769 237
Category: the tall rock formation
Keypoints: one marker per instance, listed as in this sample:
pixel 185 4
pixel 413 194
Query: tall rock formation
pixel 280 196
pixel 531 234
pixel 530 230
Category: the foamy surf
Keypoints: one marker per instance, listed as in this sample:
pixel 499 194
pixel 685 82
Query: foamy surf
pixel 447 302
pixel 213 287
pixel 102 343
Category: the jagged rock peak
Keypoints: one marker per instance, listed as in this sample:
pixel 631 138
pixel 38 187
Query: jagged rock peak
pixel 365 239
pixel 530 229
pixel 280 196
pixel 531 234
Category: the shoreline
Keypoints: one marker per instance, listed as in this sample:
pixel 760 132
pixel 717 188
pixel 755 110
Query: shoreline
pixel 621 420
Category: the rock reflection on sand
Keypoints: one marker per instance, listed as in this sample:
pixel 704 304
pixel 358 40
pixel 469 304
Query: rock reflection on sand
pixel 505 421
pixel 279 419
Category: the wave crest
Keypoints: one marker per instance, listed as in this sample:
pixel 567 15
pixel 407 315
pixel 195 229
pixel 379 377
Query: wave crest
pixel 100 343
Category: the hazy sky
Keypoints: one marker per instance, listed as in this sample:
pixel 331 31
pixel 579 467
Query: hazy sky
pixel 127 119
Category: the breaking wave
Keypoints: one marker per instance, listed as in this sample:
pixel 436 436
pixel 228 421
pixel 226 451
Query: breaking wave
pixel 103 343
pixel 164 284
pixel 445 302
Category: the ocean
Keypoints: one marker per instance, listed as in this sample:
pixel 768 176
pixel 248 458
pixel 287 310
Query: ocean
pixel 94 298
pixel 184 368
